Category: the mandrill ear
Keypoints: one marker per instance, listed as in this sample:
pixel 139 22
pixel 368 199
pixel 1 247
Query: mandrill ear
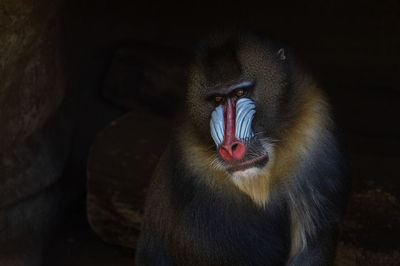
pixel 281 54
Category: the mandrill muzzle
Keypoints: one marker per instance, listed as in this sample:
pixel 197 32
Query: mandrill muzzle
pixel 231 127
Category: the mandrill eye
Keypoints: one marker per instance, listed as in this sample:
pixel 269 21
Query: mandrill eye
pixel 239 93
pixel 218 99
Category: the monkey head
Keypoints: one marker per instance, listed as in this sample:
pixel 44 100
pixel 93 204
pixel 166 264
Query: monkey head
pixel 238 99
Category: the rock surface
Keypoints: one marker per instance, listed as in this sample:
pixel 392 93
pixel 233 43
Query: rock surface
pixel 120 165
pixel 148 80
pixel 44 138
pixel 32 83
pixel 32 156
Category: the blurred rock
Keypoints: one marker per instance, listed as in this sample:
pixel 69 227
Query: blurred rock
pixel 148 74
pixel 32 153
pixel 32 77
pixel 147 79
pixel 44 138
pixel 120 165
pixel 352 255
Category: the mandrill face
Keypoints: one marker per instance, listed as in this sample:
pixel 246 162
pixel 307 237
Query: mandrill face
pixel 231 130
pixel 238 99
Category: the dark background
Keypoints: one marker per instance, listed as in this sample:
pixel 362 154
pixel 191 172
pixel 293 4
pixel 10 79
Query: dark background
pixel 125 61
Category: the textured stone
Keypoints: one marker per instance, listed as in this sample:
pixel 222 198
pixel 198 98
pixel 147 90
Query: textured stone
pixel 32 150
pixel 120 165
pixel 32 79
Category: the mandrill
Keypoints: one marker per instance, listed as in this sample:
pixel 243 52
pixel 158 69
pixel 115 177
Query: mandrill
pixel 254 174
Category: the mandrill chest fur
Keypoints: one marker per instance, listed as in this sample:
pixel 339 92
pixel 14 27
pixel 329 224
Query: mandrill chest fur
pixel 254 174
pixel 217 228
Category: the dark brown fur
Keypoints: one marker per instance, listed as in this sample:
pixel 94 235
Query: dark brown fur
pixel 283 213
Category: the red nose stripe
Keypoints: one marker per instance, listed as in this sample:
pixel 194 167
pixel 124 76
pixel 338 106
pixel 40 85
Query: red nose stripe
pixel 230 149
pixel 229 110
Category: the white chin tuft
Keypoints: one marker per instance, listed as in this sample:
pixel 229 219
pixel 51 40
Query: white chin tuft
pixel 248 173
